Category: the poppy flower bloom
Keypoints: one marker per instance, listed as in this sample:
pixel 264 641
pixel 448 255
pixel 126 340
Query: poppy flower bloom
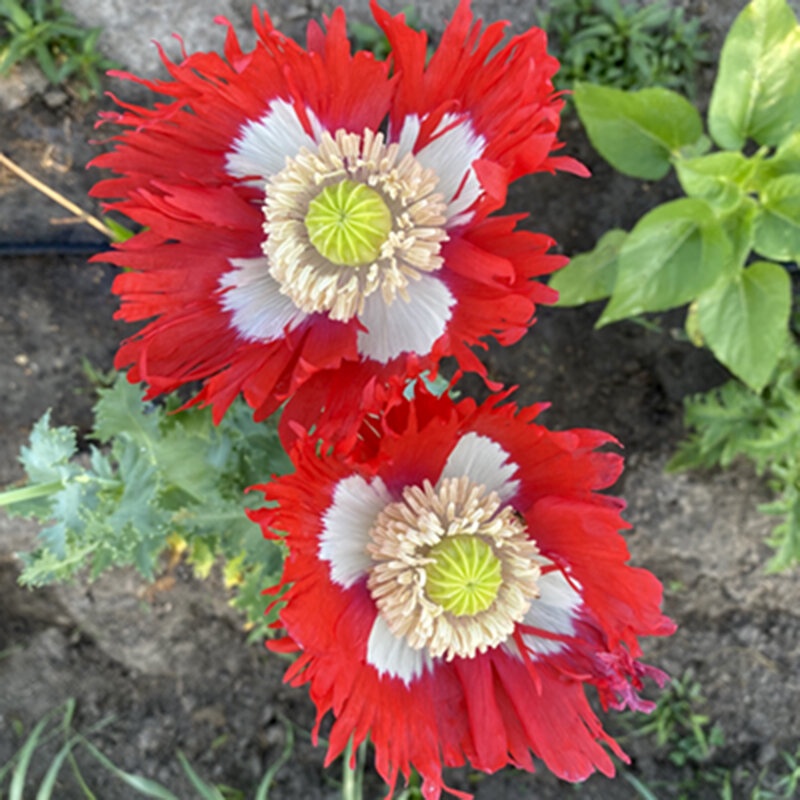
pixel 453 584
pixel 307 210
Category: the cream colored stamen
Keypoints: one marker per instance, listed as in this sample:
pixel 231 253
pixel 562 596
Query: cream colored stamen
pixel 410 247
pixel 435 588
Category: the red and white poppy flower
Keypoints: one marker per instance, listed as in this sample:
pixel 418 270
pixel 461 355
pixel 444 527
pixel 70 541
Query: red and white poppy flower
pixel 308 209
pixel 454 584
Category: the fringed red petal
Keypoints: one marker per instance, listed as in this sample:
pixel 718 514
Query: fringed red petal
pixel 171 177
pixel 507 705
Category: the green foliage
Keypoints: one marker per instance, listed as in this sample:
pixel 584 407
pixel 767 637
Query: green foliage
pixel 590 276
pixel 764 427
pixel 64 51
pixel 638 133
pixel 683 734
pixel 161 476
pixel 625 45
pixel 727 248
pixel 789 783
pixel 757 93
pixel 745 315
pixel 678 725
pixel 674 253
pixel 776 783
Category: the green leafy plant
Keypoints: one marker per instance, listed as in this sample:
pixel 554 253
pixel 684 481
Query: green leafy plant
pixel 788 784
pixel 628 46
pixel 764 427
pixel 683 733
pixel 678 725
pixel 64 51
pixel 724 248
pixel 160 478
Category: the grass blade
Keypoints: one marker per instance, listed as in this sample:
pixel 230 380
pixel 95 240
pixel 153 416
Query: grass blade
pixel 87 792
pixel 266 782
pixel 25 754
pixel 142 785
pixel 48 783
pixel 643 791
pixel 206 791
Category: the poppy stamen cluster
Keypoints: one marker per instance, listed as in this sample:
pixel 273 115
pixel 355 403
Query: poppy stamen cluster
pixel 349 219
pixel 454 568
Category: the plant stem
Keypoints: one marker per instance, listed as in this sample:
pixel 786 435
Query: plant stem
pixel 353 771
pixel 31 492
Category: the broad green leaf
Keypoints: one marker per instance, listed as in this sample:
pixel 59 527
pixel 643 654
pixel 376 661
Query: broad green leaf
pixel 590 276
pixel 739 226
pixel 744 320
pixel 637 132
pixel 675 252
pixel 719 178
pixel 179 455
pixel 757 91
pixel 778 229
pixel 786 160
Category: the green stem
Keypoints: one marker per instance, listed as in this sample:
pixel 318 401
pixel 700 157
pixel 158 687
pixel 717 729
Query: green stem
pixel 353 776
pixel 31 492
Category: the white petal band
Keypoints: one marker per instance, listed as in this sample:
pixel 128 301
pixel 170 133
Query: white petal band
pixel 259 312
pixel 554 611
pixel 450 153
pixel 393 656
pixel 263 145
pixel 484 462
pixel 405 326
pixel 346 526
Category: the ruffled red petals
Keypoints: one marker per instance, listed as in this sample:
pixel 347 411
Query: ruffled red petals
pixel 507 90
pixel 172 178
pixel 507 705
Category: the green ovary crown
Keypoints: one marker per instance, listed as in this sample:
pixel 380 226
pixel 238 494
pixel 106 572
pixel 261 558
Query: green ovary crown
pixel 465 576
pixel 347 223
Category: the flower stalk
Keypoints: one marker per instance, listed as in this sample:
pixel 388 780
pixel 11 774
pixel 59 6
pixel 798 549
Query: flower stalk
pixel 353 771
pixel 30 492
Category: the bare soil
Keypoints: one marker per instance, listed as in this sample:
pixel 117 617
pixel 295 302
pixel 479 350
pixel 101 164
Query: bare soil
pixel 167 668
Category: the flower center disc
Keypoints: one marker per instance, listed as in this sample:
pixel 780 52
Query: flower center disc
pixel 453 568
pixel 465 575
pixel 351 219
pixel 348 222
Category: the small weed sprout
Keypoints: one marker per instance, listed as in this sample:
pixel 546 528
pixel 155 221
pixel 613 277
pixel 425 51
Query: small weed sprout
pixel 64 51
pixel 628 46
pixel 678 725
